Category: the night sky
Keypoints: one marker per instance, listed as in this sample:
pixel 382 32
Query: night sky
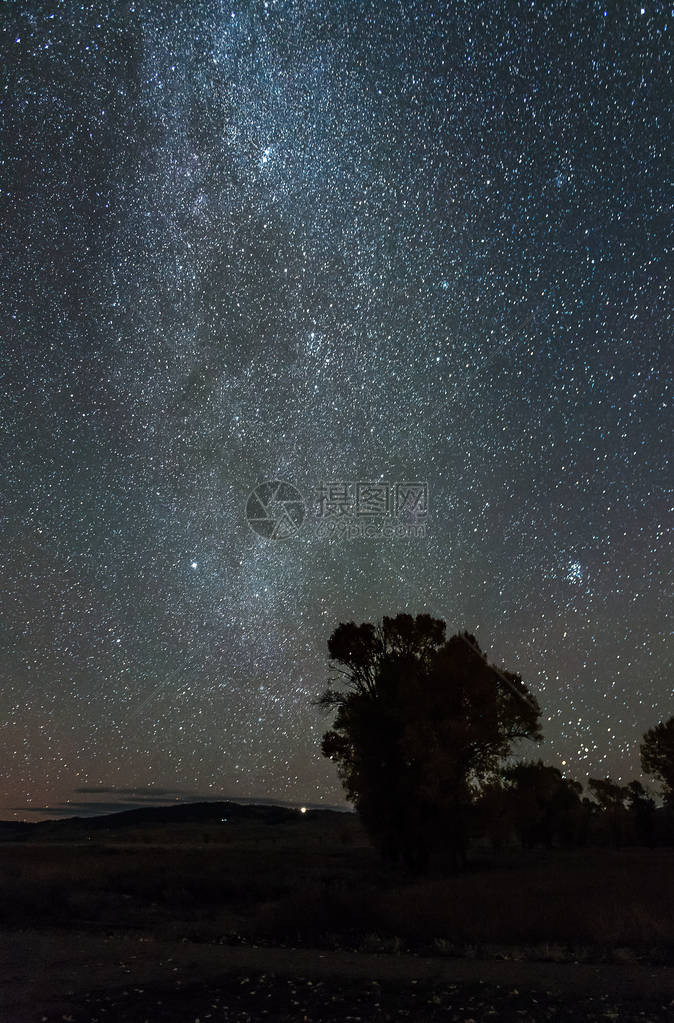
pixel 325 242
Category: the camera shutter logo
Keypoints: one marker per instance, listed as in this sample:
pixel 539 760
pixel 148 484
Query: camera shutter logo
pixel 275 510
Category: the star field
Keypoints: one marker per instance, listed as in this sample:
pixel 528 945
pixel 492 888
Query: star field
pixel 316 241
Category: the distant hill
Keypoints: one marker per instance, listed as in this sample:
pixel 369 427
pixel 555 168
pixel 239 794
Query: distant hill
pixel 153 816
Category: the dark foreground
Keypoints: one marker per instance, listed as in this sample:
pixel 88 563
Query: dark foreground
pixel 80 978
pixel 280 999
pixel 267 914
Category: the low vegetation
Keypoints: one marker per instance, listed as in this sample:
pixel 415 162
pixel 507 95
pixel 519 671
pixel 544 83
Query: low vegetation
pixel 316 879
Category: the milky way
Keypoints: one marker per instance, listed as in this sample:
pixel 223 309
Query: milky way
pixel 326 241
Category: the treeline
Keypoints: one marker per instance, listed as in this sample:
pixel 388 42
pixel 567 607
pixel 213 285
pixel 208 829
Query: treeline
pixel 534 805
pixel 424 738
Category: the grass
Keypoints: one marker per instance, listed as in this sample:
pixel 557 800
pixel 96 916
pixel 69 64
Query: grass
pixel 318 881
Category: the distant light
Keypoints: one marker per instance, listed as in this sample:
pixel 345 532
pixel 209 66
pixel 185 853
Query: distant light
pixel 223 820
pixel 195 564
pixel 303 809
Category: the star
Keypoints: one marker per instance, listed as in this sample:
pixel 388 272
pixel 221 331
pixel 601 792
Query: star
pixel 327 243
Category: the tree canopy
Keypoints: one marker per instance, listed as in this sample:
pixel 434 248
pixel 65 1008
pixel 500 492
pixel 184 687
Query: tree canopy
pixel 657 756
pixel 421 723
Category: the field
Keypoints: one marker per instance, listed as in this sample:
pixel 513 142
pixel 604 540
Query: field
pixel 225 918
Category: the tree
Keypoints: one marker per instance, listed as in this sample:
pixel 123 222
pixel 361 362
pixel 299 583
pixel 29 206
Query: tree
pixel 611 800
pixel 642 814
pixel 545 806
pixel 421 723
pixel 657 756
pixel 494 816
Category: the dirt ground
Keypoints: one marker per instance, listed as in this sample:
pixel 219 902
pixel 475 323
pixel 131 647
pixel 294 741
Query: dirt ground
pixel 77 976
pixel 247 917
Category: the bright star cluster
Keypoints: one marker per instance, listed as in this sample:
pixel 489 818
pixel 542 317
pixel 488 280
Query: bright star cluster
pixel 316 240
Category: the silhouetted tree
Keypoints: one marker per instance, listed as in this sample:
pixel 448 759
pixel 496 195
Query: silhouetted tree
pixel 494 816
pixel 611 799
pixel 420 724
pixel 657 756
pixel 545 806
pixel 589 812
pixel 641 809
pixel 570 816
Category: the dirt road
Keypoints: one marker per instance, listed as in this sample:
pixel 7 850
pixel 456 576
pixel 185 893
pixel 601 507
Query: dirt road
pixel 56 975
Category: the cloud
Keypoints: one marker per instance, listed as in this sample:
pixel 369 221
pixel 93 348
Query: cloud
pixel 140 791
pixel 75 809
